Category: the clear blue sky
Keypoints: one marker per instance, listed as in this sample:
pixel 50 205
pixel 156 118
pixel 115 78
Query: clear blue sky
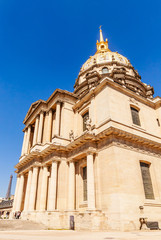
pixel 44 43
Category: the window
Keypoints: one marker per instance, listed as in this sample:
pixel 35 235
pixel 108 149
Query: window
pixel 85 117
pixel 85 184
pixel 135 116
pixel 105 70
pixel 148 188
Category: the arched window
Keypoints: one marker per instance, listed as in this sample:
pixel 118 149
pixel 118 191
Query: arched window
pixel 147 183
pixel 135 116
pixel 105 70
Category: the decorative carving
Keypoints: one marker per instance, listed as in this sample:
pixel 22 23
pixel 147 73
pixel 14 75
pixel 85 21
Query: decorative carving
pixel 133 100
pixel 71 135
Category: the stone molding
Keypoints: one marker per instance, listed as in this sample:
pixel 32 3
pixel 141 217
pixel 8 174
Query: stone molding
pixel 90 143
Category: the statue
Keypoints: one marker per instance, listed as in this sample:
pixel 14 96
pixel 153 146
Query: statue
pixel 88 123
pixel 71 135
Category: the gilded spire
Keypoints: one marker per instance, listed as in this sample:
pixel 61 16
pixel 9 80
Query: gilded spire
pixel 101 35
pixel 102 46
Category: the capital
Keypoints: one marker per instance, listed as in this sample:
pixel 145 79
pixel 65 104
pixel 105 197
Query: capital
pixel 91 151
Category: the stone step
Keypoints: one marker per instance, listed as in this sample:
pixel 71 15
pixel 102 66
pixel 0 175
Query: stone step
pixel 18 224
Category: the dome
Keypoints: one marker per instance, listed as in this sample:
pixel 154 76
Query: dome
pixel 103 58
pixel 104 55
pixel 112 64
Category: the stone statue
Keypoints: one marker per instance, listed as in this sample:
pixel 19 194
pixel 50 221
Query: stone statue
pixel 88 123
pixel 71 135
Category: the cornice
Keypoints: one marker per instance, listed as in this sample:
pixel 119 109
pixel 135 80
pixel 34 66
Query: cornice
pixel 87 141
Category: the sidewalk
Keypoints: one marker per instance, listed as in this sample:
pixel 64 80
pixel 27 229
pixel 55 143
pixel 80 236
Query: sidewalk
pixel 74 235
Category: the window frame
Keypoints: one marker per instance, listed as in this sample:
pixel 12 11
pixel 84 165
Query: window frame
pixel 147 180
pixel 135 115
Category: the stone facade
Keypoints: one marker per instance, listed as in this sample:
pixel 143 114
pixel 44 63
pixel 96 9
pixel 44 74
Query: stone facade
pixel 82 151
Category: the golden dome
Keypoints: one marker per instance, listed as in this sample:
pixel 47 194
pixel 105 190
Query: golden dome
pixel 103 55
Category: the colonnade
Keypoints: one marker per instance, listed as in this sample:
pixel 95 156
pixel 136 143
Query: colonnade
pixel 29 195
pixel 39 128
pixel 47 194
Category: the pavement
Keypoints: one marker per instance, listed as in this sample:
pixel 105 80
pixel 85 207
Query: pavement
pixel 78 235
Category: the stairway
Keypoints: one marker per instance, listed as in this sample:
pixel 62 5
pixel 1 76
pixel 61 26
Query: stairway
pixel 18 224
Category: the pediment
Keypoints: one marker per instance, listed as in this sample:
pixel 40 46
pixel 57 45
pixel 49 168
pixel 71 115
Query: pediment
pixel 32 108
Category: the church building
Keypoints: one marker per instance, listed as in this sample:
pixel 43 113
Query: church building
pixel 95 153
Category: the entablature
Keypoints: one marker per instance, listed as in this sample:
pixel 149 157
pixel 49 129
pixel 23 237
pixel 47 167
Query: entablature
pixel 79 147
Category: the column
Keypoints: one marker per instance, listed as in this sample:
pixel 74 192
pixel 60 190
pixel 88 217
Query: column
pixel 26 204
pixel 71 190
pixel 52 187
pixel 27 139
pixel 90 182
pixel 35 131
pixel 33 189
pixel 57 119
pixel 24 142
pixel 40 129
pixel 20 193
pixel 39 188
pixel 16 194
pixel 43 195
pixel 49 125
